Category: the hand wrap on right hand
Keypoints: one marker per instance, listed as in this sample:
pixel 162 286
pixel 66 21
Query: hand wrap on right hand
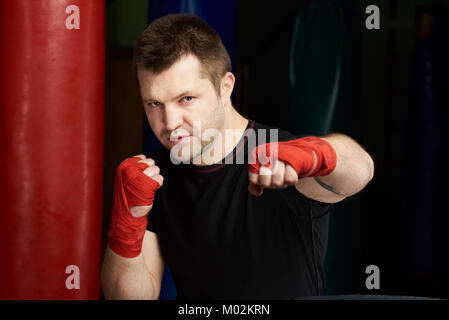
pixel 131 188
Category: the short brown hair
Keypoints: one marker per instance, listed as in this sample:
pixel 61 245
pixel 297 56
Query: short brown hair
pixel 170 37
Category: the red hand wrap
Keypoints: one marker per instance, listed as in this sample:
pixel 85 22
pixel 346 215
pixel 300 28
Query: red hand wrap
pixel 132 188
pixel 309 156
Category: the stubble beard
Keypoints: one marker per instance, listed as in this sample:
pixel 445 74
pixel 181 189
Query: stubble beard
pixel 197 146
pixel 218 124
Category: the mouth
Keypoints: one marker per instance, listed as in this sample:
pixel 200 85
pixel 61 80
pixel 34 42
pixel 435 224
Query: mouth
pixel 179 139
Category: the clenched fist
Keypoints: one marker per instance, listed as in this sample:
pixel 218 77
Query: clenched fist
pixel 282 176
pixel 291 160
pixel 136 181
pixel 132 187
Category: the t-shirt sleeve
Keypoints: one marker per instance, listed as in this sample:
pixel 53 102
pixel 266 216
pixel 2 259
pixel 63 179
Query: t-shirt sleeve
pixel 319 209
pixel 151 225
pixel 152 217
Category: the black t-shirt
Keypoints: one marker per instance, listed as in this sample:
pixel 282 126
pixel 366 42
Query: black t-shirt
pixel 221 242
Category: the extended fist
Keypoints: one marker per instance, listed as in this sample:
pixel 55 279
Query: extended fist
pixel 282 176
pixel 298 158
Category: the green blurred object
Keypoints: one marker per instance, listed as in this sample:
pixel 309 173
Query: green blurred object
pixel 323 93
pixel 125 21
pixel 315 65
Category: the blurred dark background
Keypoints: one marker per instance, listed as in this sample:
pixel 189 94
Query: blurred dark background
pixel 313 67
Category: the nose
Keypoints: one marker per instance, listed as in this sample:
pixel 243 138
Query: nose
pixel 173 117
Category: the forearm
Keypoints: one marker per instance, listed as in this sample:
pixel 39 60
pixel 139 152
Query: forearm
pixel 126 278
pixel 354 168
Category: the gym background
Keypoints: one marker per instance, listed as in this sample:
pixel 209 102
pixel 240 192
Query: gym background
pixel 378 85
pixel 307 66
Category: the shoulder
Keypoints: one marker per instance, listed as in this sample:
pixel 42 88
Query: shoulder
pixel 273 133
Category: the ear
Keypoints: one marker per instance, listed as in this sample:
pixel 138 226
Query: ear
pixel 227 85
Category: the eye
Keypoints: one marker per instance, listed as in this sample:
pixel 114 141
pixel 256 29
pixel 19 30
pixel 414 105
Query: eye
pixel 154 104
pixel 187 98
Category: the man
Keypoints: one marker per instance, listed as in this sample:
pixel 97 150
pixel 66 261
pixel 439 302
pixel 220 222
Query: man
pixel 226 229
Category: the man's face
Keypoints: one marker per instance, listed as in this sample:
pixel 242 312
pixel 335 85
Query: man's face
pixel 174 99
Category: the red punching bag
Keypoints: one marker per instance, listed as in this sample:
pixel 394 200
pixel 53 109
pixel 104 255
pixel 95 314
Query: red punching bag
pixel 51 134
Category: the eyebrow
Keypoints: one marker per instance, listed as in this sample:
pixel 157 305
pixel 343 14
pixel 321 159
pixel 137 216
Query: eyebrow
pixel 185 93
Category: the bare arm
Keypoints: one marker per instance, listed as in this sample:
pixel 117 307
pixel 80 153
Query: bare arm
pixel 136 278
pixel 354 170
